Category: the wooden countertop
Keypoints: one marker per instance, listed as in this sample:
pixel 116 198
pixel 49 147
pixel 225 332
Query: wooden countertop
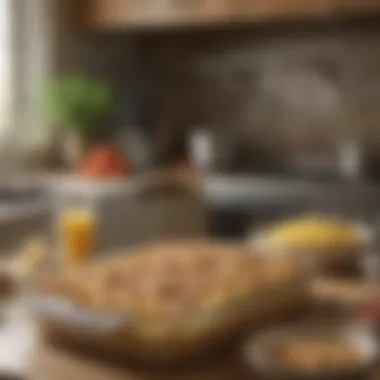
pixel 57 364
pixel 22 355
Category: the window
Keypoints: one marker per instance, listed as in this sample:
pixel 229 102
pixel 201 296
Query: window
pixel 26 36
pixel 5 63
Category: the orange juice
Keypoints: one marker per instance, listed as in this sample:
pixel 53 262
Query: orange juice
pixel 77 230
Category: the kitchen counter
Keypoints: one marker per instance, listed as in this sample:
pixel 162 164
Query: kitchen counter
pixel 223 188
pixel 236 204
pixel 244 192
pixel 127 220
pixel 24 355
pixel 56 364
pixel 135 210
pixel 229 187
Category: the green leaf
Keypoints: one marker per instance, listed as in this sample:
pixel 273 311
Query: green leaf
pixel 78 103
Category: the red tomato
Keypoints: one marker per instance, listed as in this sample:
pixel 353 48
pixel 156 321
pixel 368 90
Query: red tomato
pixel 104 162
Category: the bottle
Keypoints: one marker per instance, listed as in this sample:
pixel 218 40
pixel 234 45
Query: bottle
pixel 201 149
pixel 350 159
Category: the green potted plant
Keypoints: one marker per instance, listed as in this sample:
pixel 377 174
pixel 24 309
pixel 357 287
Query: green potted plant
pixel 77 107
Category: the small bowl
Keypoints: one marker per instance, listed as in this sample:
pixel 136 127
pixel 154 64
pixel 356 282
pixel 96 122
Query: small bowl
pixel 258 356
pixel 331 258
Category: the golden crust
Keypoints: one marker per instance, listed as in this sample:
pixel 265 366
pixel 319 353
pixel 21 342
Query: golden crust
pixel 171 279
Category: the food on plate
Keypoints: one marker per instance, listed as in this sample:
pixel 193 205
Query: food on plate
pixel 314 233
pixel 313 355
pixel 171 300
pixel 173 279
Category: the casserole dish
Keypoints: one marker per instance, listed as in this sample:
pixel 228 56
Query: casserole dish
pixel 170 301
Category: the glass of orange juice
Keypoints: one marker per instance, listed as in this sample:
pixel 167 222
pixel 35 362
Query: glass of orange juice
pixel 77 226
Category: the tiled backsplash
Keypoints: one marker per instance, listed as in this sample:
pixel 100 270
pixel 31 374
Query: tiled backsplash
pixel 290 89
pixel 277 90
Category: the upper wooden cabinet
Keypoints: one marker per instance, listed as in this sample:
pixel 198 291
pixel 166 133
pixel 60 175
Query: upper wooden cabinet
pixel 120 13
pixel 111 14
pixel 357 6
pixel 135 13
pixel 278 9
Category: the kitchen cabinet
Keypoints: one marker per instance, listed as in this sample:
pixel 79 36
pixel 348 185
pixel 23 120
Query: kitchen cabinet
pixel 277 9
pixel 357 7
pixel 200 11
pixel 119 14
pixel 151 13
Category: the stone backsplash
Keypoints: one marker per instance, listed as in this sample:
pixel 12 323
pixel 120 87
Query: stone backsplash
pixel 275 90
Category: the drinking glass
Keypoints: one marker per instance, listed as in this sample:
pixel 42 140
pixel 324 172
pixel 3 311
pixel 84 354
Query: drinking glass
pixel 77 229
